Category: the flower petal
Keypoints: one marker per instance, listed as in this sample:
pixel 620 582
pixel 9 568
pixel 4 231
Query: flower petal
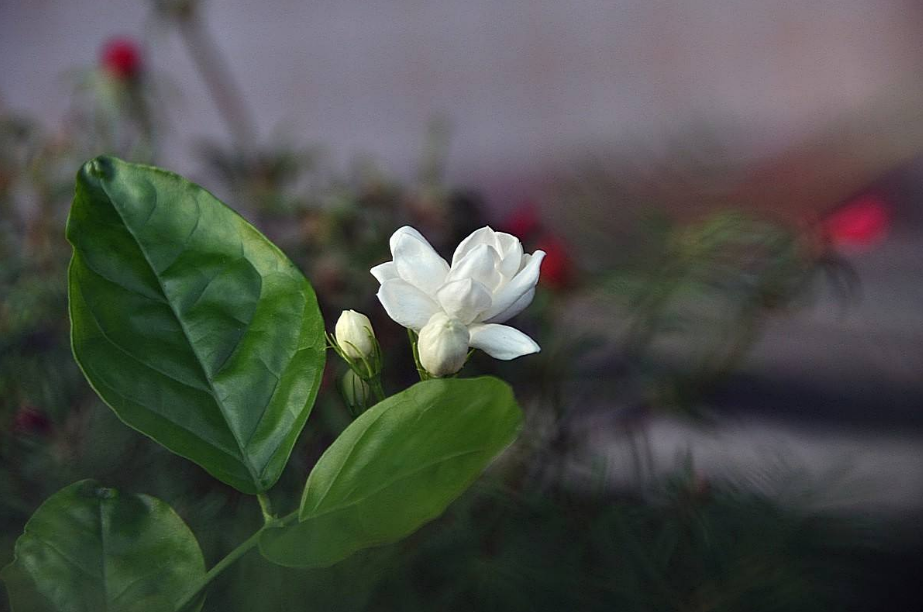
pixel 517 288
pixel 400 233
pixel 385 271
pixel 517 307
pixel 464 299
pixel 506 243
pixel 406 304
pixel 510 255
pixel 417 263
pixel 485 235
pixel 479 264
pixel 502 341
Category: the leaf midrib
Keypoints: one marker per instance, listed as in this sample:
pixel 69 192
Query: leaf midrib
pixel 102 549
pixel 221 408
pixel 391 482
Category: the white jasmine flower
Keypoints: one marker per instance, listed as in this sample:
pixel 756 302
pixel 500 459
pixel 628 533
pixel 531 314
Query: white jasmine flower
pixel 490 280
pixel 353 332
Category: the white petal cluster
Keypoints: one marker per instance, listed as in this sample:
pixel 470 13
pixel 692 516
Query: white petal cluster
pixel 489 281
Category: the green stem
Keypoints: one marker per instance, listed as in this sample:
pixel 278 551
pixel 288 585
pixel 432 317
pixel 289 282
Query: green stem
pixel 265 506
pixel 377 389
pixel 231 557
pixel 286 520
pixel 216 571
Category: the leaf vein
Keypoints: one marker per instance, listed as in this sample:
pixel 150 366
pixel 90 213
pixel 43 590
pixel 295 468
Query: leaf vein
pixel 345 461
pixel 102 380
pixel 83 570
pixel 243 459
pixel 115 344
pixel 398 478
pixel 102 547
pixel 144 576
pixel 152 298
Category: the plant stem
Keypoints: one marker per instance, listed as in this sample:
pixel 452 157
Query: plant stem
pixel 266 507
pixel 216 571
pixel 231 557
pixel 377 389
pixel 285 521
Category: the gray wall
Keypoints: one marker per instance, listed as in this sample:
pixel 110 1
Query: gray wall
pixel 526 82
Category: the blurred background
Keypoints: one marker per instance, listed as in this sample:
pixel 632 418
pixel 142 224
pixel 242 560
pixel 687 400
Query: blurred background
pixel 727 413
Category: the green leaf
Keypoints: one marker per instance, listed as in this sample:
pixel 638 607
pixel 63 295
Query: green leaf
pixel 92 549
pixel 396 467
pixel 189 323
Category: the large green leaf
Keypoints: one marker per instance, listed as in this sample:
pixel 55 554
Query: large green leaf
pixel 189 323
pixel 396 467
pixel 92 549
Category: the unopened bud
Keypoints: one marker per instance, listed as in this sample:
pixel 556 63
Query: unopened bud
pixel 355 391
pixel 354 334
pixel 443 345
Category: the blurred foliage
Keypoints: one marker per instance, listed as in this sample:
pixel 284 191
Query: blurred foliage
pixel 683 302
pixel 690 547
pixel 700 294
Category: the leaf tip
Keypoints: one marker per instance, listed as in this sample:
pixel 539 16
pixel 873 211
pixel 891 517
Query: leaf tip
pixel 99 168
pixel 105 493
pixel 91 489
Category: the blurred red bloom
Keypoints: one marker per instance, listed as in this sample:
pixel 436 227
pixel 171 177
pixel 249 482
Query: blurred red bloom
pixel 121 57
pixel 522 222
pixel 31 421
pixel 557 267
pixel 860 223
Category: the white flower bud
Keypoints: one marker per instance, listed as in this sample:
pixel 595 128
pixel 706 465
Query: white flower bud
pixel 354 334
pixel 443 345
pixel 355 391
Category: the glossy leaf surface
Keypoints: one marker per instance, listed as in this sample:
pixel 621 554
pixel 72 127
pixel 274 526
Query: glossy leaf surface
pixel 92 549
pixel 189 323
pixel 396 467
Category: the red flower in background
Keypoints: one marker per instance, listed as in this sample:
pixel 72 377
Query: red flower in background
pixel 860 224
pixel 557 267
pixel 121 57
pixel 31 421
pixel 523 222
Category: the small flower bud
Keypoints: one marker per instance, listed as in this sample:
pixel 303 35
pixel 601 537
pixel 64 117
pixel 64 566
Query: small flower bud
pixel 354 334
pixel 443 345
pixel 355 391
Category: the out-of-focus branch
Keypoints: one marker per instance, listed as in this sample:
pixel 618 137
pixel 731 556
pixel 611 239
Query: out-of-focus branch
pixel 217 75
